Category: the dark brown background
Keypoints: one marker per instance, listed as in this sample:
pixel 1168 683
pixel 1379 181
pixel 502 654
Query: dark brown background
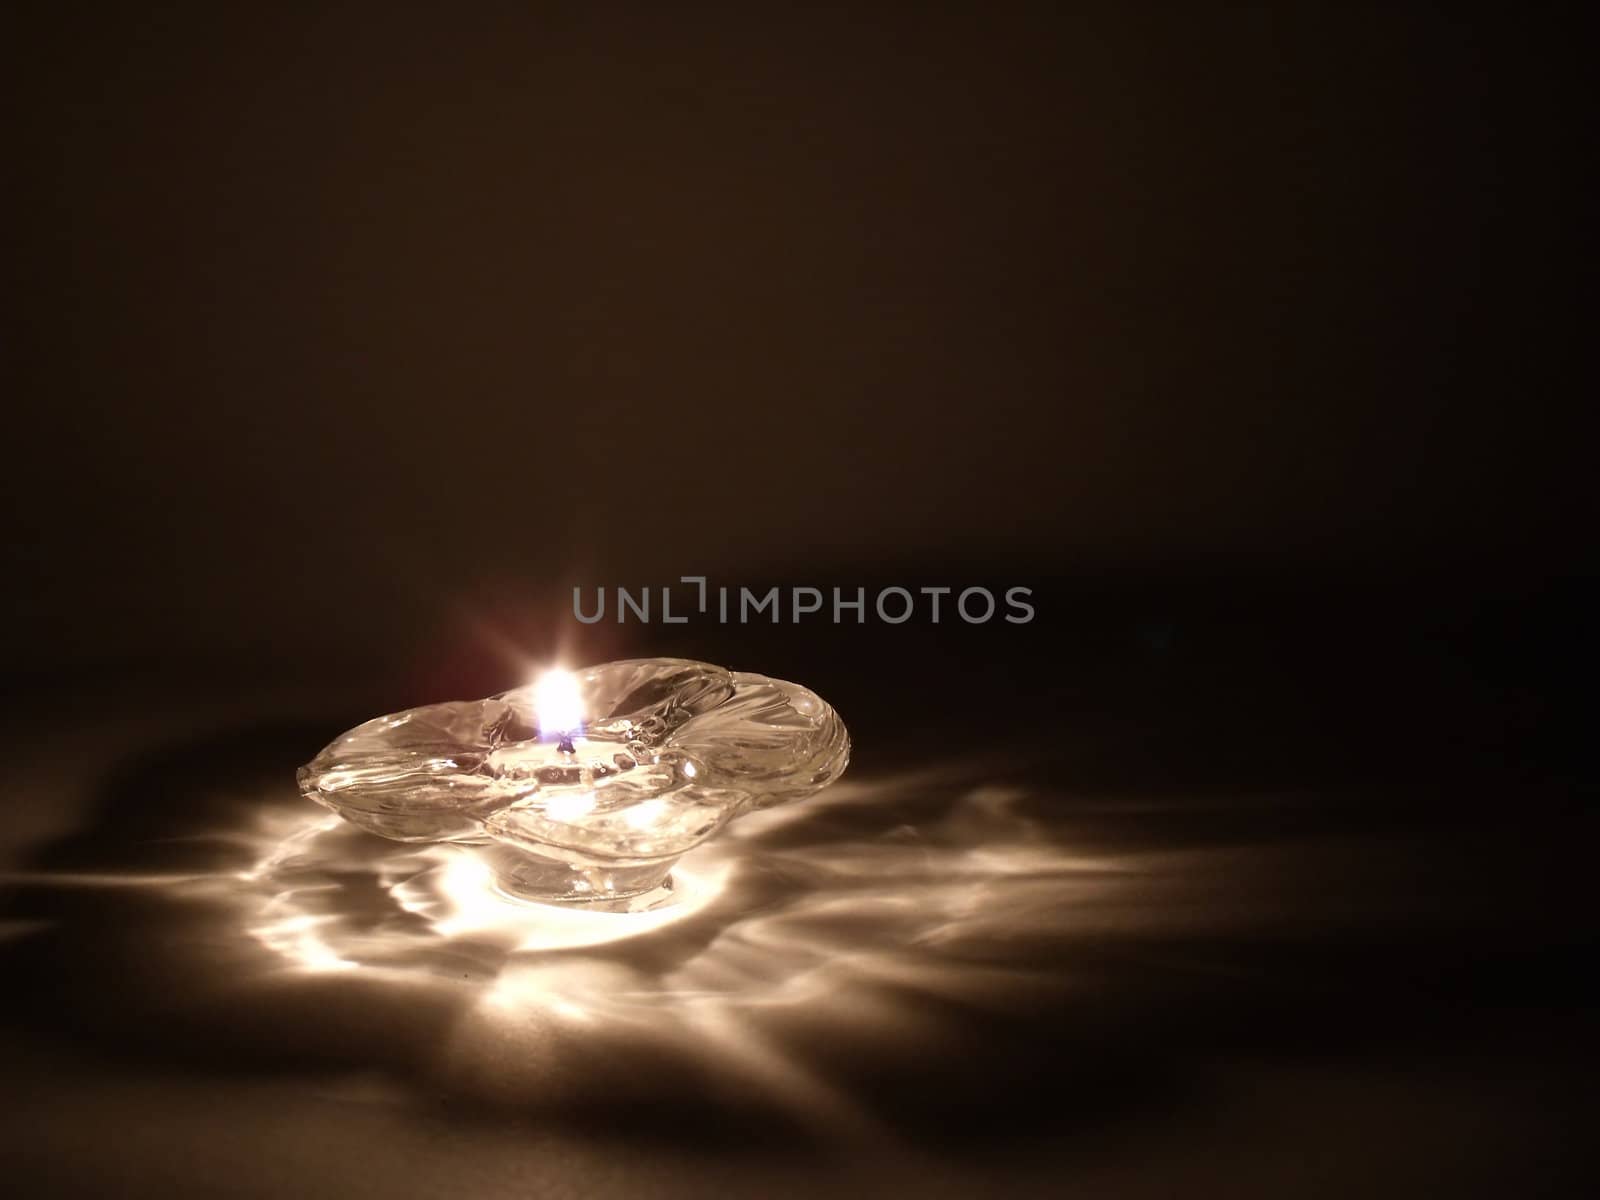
pixel 331 322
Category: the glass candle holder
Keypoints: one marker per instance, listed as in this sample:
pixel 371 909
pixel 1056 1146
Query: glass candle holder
pixel 586 788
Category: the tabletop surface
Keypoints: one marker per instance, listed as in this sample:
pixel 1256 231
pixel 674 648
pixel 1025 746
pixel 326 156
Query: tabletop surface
pixel 1097 955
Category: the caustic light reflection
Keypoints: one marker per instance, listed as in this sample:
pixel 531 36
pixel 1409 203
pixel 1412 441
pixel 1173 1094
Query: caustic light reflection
pixel 434 894
pixel 850 929
pixel 800 900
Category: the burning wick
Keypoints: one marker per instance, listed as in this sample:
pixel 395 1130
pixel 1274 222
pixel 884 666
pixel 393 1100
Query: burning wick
pixel 560 707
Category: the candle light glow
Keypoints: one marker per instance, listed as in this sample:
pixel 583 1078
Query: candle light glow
pixel 558 702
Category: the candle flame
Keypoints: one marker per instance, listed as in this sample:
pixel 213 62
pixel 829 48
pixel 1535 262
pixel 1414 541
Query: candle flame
pixel 559 704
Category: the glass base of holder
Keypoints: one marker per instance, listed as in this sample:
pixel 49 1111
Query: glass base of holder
pixel 533 878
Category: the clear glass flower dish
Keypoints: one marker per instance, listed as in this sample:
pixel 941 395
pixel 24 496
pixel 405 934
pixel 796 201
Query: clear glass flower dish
pixel 586 787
